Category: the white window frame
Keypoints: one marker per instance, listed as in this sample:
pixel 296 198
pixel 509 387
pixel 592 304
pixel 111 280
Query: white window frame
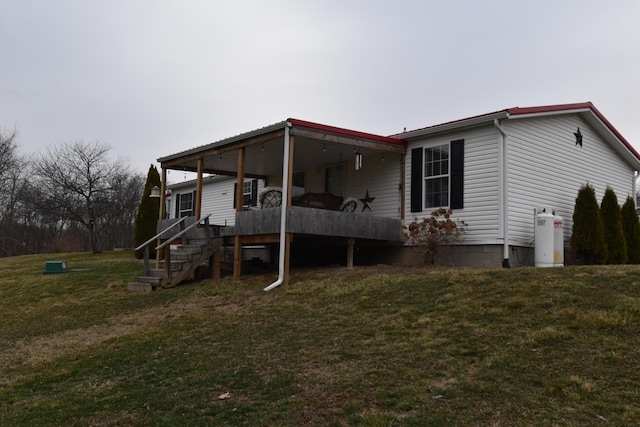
pixel 184 199
pixel 433 173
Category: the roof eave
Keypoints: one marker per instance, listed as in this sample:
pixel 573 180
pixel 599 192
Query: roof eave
pixel 452 126
pixel 227 141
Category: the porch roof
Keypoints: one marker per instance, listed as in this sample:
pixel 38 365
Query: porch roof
pixel 315 144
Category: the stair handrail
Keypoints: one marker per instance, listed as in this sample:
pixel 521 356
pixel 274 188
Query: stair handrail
pixel 182 232
pixel 161 233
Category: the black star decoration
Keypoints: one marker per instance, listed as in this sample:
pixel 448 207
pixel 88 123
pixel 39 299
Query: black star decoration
pixel 578 137
pixel 366 201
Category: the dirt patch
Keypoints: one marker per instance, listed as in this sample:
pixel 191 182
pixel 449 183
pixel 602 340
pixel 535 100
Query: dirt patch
pixel 40 350
pixel 37 351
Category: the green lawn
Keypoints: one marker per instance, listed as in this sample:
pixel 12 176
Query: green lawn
pixel 371 346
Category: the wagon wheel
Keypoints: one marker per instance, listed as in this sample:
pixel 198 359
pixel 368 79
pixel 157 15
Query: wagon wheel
pixel 349 206
pixel 272 199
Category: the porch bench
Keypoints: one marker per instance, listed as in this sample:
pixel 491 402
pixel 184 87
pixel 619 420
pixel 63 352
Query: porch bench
pixel 271 197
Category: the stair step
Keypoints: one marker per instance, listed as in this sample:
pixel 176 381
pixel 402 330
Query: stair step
pixel 185 260
pixel 181 257
pixel 151 280
pixel 157 272
pixel 198 241
pixel 187 249
pixel 140 287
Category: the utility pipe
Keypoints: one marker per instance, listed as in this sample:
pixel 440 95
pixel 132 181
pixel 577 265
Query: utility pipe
pixel 283 209
pixel 635 188
pixel 505 194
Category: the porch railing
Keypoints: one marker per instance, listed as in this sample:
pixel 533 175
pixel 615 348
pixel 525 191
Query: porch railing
pixel 182 232
pixel 146 244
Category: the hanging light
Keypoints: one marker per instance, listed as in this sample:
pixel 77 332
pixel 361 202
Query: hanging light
pixel 155 191
pixel 358 161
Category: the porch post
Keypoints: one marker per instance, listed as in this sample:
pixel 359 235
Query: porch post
pixel 163 190
pixel 288 236
pixel 199 188
pixel 163 211
pixel 237 245
pixel 350 246
pixel 403 160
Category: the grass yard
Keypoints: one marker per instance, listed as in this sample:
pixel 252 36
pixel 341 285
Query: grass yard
pixel 371 346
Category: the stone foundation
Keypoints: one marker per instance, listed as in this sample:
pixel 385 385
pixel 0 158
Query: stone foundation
pixel 473 256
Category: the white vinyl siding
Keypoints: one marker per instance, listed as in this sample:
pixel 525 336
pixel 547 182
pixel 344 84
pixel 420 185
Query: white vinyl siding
pixel 547 168
pixel 381 176
pixel 217 198
pixel 481 201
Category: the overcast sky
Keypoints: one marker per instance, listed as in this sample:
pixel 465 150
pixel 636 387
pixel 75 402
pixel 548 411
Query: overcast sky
pixel 154 77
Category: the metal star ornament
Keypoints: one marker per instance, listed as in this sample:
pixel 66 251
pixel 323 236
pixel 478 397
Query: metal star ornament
pixel 578 137
pixel 365 202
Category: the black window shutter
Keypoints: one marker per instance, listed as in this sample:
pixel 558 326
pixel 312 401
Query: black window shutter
pixel 457 174
pixel 416 179
pixel 254 193
pixel 193 203
pixel 177 199
pixel 235 194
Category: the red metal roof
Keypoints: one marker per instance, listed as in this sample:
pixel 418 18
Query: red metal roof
pixel 347 132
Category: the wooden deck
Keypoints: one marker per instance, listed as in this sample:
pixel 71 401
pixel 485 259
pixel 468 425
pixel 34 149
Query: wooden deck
pixel 315 222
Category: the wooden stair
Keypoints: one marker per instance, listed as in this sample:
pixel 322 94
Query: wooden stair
pixel 185 260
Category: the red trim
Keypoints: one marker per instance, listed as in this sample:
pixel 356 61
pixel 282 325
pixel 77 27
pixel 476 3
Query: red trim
pixel 579 106
pixel 549 108
pixel 347 132
pixel 404 134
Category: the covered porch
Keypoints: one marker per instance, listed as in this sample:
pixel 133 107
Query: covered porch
pixel 281 154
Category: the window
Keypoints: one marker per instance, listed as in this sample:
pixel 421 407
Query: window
pixel 246 193
pixel 437 176
pixel 185 205
pixel 249 193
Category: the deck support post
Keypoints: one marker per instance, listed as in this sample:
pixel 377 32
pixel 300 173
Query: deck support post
pixel 237 243
pixel 198 200
pixel 350 246
pixel 163 212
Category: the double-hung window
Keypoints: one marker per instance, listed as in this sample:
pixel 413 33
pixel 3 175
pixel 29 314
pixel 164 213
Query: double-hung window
pixel 246 193
pixel 249 193
pixel 185 205
pixel 437 176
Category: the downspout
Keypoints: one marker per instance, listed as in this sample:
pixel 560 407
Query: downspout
pixel 635 188
pixel 283 209
pixel 505 194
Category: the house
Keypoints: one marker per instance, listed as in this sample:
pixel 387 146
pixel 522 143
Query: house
pixel 503 165
pixel 492 170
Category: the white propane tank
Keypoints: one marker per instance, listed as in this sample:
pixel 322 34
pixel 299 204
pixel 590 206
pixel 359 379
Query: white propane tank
pixel 543 235
pixel 558 241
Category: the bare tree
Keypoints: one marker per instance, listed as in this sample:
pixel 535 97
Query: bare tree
pixel 13 178
pixel 79 183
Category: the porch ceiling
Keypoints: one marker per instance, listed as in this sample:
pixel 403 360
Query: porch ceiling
pixel 264 151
